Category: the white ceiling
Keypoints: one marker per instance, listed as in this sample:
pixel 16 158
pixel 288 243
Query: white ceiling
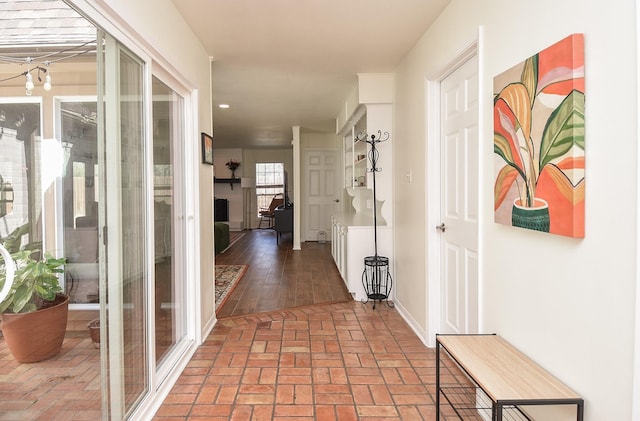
pixel 282 63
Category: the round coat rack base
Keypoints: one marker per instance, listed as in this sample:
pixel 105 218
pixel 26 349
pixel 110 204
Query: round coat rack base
pixel 376 279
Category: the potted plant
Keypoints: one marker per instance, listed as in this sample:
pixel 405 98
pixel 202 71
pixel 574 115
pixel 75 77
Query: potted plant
pixel 94 332
pixel 233 166
pixel 34 313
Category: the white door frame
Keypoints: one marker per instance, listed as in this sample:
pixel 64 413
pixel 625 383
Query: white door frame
pixel 433 183
pixel 635 406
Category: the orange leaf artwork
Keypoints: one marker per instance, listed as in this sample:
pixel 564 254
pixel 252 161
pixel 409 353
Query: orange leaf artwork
pixel 538 141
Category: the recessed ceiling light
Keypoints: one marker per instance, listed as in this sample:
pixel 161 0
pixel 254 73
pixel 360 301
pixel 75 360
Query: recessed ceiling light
pixel 223 105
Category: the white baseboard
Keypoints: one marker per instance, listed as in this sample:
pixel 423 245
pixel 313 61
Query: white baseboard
pixel 235 225
pixel 206 329
pixel 413 324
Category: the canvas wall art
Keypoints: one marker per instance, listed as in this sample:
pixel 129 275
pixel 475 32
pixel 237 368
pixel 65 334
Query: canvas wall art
pixel 538 141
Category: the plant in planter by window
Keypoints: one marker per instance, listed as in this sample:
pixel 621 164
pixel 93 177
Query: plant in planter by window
pixel 34 313
pixel 35 285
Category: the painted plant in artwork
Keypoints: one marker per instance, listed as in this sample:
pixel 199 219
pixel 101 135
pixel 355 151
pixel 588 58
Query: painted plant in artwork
pixel 538 141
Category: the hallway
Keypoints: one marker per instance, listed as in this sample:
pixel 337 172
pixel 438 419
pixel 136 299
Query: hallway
pixel 333 361
pixel 279 277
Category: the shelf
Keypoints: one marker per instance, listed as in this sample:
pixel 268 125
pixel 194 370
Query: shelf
pixel 226 180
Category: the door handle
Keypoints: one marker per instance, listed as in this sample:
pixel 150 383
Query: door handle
pixel 441 227
pixel 337 200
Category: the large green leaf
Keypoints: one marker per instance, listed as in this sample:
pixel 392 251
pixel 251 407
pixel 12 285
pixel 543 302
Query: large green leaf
pixel 29 307
pixel 502 147
pixel 564 129
pixel 13 241
pixel 504 180
pixel 517 98
pixel 529 76
pixel 5 305
pixel 22 296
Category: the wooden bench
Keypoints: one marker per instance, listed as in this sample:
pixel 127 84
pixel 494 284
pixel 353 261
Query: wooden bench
pixel 507 378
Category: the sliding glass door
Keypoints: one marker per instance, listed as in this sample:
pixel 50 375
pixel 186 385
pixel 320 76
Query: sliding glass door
pixel 144 288
pixel 125 295
pixel 93 170
pixel 168 204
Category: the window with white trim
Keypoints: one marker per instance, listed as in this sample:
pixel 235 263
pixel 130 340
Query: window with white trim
pixel 269 182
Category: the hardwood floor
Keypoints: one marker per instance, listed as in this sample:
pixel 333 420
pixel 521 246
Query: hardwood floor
pixel 278 277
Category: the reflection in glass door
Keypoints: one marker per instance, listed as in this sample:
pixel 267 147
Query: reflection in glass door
pixel 133 190
pixel 77 129
pixel 127 253
pixel 168 135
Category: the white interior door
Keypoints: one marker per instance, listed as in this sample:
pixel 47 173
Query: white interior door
pixel 322 193
pixel 459 199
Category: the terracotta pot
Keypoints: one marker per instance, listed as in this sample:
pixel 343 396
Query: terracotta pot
pixel 36 336
pixel 94 332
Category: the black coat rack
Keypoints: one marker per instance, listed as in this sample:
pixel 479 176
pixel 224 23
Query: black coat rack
pixel 376 279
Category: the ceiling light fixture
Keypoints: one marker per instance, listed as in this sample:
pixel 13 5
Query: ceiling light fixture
pixel 47 78
pixel 29 85
pixel 47 83
pixel 223 105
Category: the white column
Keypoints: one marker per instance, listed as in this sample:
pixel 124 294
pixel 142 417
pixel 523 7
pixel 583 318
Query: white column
pixel 296 187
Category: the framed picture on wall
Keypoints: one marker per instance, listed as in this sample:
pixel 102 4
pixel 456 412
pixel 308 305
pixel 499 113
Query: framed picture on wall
pixel 207 148
pixel 539 141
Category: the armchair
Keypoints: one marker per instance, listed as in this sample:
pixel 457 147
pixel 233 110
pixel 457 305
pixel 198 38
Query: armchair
pixel 268 214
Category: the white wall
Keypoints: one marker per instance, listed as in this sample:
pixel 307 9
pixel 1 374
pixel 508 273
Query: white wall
pixel 567 303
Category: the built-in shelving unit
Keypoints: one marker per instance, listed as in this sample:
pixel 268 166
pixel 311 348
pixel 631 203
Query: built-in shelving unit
pixel 367 111
pixel 355 153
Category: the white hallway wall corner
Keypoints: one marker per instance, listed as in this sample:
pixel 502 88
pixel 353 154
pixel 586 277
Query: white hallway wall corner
pixel 569 309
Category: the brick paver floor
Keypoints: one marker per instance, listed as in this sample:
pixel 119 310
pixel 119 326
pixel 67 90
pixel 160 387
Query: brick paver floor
pixel 341 361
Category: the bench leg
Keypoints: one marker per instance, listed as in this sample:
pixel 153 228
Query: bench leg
pixel 437 381
pixel 580 411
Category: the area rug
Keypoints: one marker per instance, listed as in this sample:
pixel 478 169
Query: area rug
pixel 227 278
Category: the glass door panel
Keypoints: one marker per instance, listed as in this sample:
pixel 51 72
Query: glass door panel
pixel 77 129
pixel 168 134
pixel 20 150
pixel 127 222
pixel 133 193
